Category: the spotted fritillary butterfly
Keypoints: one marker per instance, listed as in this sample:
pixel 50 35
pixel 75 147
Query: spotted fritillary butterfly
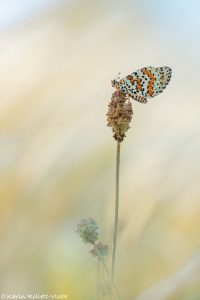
pixel 144 83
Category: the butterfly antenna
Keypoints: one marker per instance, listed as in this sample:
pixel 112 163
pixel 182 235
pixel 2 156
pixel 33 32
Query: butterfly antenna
pixel 118 76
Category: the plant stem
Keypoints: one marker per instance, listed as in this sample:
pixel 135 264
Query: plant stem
pixel 112 283
pixel 116 212
pixel 99 278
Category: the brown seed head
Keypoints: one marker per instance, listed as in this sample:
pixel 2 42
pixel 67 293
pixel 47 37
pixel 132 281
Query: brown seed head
pixel 119 115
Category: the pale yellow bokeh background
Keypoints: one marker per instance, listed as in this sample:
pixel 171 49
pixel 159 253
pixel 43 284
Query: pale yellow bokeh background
pixel 57 157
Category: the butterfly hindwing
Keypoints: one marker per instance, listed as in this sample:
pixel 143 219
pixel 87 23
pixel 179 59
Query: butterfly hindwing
pixel 145 83
pixel 166 74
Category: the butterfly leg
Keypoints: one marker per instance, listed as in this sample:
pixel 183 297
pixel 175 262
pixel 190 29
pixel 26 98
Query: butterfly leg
pixel 140 99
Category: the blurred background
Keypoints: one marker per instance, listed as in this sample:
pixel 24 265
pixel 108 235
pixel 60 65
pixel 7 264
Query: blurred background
pixel 57 156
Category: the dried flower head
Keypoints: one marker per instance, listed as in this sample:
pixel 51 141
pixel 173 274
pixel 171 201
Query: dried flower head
pixel 119 115
pixel 88 230
pixel 99 250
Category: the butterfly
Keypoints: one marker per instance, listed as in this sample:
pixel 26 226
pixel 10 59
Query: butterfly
pixel 144 83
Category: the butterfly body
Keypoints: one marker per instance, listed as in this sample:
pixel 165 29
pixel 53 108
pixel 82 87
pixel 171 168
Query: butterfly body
pixel 144 83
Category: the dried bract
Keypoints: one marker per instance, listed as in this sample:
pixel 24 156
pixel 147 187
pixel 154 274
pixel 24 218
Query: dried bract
pixel 99 250
pixel 119 115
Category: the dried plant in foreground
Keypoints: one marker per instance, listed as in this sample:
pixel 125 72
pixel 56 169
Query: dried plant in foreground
pixel 119 115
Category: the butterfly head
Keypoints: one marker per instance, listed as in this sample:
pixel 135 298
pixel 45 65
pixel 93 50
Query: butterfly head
pixel 115 82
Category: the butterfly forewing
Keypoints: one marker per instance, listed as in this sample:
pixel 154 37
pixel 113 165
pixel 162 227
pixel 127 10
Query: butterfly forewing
pixel 146 82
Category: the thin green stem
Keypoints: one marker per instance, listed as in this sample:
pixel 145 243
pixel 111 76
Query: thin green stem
pixel 116 212
pixel 112 283
pixel 99 275
pixel 101 263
